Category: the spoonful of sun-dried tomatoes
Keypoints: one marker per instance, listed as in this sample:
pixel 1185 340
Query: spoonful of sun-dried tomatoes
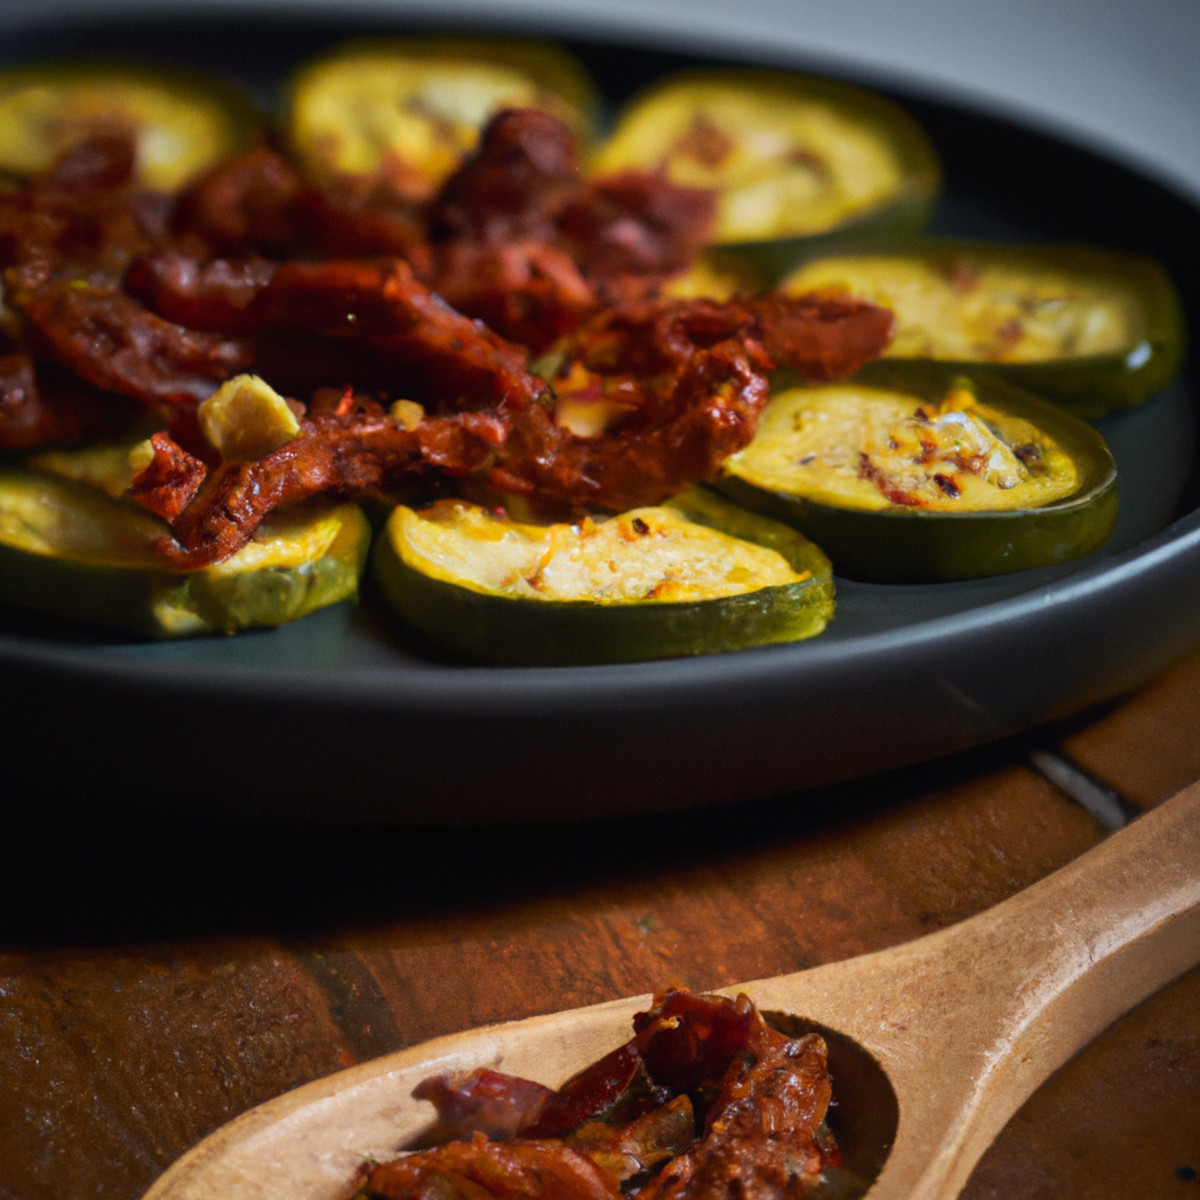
pixel 926 1049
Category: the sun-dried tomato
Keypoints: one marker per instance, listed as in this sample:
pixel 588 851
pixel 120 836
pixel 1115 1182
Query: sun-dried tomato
pixel 727 1108
pixel 441 303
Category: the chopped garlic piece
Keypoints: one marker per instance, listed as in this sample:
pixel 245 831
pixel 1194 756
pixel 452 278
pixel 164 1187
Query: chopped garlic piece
pixel 408 414
pixel 246 419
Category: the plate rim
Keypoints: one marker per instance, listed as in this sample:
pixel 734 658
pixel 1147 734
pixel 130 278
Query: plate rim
pixel 623 690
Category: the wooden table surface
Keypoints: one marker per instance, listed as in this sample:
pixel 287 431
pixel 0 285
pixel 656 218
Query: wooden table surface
pixel 159 978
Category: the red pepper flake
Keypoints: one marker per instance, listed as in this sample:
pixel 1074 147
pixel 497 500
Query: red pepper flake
pixel 167 481
pixel 871 472
pixel 948 484
pixel 705 142
pixel 1010 332
pixel 962 274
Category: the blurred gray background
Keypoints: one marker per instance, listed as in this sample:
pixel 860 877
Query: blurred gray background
pixel 1118 75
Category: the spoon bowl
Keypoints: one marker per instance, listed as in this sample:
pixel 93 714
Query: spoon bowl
pixel 934 1043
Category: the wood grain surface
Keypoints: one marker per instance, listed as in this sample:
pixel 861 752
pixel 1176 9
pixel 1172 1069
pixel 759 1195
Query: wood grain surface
pixel 159 977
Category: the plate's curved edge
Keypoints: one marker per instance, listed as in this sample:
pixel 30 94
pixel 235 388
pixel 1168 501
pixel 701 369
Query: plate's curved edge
pixel 1118 589
pixel 1177 546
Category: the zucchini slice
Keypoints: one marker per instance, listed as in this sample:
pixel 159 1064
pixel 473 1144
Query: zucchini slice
pixel 716 275
pixel 181 122
pixel 68 548
pixel 949 479
pixel 410 109
pixel 696 576
pixel 791 157
pixel 1092 329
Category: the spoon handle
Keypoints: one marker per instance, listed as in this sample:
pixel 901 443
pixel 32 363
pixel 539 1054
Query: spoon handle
pixel 969 1021
pixel 966 1022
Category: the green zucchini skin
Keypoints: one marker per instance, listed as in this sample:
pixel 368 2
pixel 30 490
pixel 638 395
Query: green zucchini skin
pixel 497 629
pixel 908 213
pixel 1090 385
pixel 911 546
pixel 121 588
pixel 906 208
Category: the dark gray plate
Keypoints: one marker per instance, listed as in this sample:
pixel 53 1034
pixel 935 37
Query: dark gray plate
pixel 344 716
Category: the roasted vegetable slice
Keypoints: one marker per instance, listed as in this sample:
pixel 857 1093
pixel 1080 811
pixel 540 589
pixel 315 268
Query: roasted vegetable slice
pixel 179 122
pixel 68 548
pixel 913 483
pixel 1093 329
pixel 790 156
pixel 716 275
pixel 694 577
pixel 407 110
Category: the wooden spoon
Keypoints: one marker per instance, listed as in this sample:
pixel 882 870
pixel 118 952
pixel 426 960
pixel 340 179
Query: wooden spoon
pixel 934 1043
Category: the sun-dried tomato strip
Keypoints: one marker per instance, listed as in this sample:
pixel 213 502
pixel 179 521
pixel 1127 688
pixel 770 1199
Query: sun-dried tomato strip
pixel 522 175
pixel 632 230
pixel 617 1079
pixel 763 1138
pixel 83 218
pixel 248 202
pixel 168 482
pixel 706 412
pixel 116 344
pixel 737 1113
pixel 688 1041
pixel 818 337
pixel 694 395
pixel 693 379
pixel 631 1148
pixel 378 305
pixel 366 454
pixel 529 291
pixel 514 1170
pixel 482 1101
pixel 41 405
pixel 258 202
pixel 522 242
pixel 103 161
pixel 156 313
pixel 211 295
